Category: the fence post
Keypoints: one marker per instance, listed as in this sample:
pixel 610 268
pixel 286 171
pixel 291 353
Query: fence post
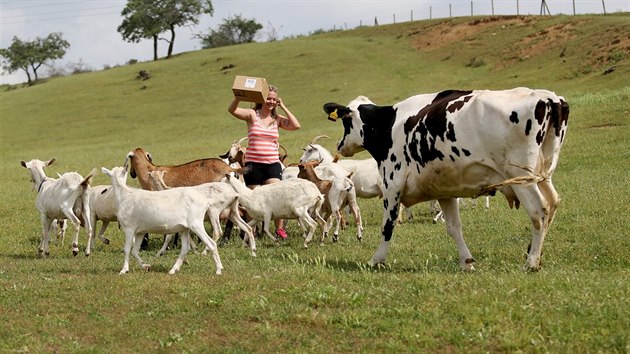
pixel 450 12
pixel 430 12
pixel 517 9
pixel 471 8
pixel 604 6
pixel 411 15
pixel 492 2
pixel 573 7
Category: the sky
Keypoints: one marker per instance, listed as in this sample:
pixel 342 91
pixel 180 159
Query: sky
pixel 90 25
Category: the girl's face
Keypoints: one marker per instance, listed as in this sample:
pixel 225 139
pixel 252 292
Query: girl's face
pixel 272 100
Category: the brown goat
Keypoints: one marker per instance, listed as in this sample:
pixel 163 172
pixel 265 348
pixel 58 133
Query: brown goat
pixel 337 192
pixel 188 174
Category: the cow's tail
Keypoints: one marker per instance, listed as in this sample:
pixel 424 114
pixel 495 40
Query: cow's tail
pixel 557 122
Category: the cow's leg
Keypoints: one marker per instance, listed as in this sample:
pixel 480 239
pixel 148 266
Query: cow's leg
pixel 450 208
pixel 391 206
pixel 539 211
pixel 200 231
pixel 552 197
pixel 185 238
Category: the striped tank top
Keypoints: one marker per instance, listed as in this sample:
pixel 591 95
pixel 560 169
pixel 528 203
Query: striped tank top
pixel 262 145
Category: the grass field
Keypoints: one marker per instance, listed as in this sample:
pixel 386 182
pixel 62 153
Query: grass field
pixel 326 299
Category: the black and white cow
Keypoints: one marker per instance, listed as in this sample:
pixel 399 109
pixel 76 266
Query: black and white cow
pixel 461 144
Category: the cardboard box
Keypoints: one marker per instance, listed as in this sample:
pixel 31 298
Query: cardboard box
pixel 250 89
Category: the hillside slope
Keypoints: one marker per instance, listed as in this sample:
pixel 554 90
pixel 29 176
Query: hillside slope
pixel 180 112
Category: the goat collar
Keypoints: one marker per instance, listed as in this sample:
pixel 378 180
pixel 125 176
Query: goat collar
pixel 41 184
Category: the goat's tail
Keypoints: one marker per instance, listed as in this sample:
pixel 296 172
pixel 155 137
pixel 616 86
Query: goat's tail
pixel 87 181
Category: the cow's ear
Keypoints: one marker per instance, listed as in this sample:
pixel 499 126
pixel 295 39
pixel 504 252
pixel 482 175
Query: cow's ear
pixel 335 110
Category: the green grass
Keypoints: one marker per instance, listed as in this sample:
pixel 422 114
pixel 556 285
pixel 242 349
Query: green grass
pixel 326 299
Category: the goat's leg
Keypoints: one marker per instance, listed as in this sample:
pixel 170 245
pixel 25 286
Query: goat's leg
pixel 185 238
pixel 167 240
pixel 235 217
pixel 136 254
pixel 128 244
pixel 356 212
pixel 101 232
pixel 199 230
pixel 46 229
pixel 229 225
pixel 266 223
pixel 76 224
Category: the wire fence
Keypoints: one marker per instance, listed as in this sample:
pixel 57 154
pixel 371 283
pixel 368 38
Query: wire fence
pixel 444 9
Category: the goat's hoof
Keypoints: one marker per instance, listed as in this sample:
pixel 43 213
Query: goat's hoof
pixel 87 254
pixel 106 241
pixel 146 267
pixel 75 252
pixel 46 254
pixel 122 272
pixel 335 238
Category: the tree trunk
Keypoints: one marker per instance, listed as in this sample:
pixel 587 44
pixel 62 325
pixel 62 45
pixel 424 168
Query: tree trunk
pixel 155 48
pixel 171 43
pixel 28 76
pixel 35 72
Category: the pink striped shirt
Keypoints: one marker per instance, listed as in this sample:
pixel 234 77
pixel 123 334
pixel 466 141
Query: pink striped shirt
pixel 262 145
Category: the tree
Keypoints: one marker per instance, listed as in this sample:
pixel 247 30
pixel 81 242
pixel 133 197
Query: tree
pixel 30 56
pixel 147 19
pixel 141 20
pixel 233 30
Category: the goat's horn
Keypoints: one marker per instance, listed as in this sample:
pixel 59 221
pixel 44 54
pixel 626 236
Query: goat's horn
pixel 241 140
pixel 315 139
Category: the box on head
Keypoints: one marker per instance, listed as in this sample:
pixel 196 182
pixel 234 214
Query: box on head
pixel 250 89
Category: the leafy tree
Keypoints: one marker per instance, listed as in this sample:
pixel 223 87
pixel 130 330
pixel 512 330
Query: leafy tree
pixel 147 19
pixel 141 20
pixel 30 56
pixel 233 30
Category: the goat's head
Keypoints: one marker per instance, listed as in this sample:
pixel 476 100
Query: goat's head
pixel 236 152
pixel 36 169
pixel 137 156
pixel 118 175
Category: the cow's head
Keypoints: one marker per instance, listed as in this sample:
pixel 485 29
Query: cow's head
pixel 353 134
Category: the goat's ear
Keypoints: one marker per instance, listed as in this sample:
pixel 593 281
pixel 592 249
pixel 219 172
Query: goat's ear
pixel 149 157
pixel 23 163
pixel 225 156
pixel 52 161
pixel 106 171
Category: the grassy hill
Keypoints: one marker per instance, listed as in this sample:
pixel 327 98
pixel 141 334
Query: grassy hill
pixel 325 299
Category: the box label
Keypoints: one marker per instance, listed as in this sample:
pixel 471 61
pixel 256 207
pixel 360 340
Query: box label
pixel 250 83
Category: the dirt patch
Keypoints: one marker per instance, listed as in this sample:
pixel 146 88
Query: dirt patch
pixel 448 32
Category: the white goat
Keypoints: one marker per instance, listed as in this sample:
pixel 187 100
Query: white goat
pixel 224 203
pixel 173 210
pixel 365 176
pixel 61 198
pixel 337 192
pixel 103 207
pixel 288 199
